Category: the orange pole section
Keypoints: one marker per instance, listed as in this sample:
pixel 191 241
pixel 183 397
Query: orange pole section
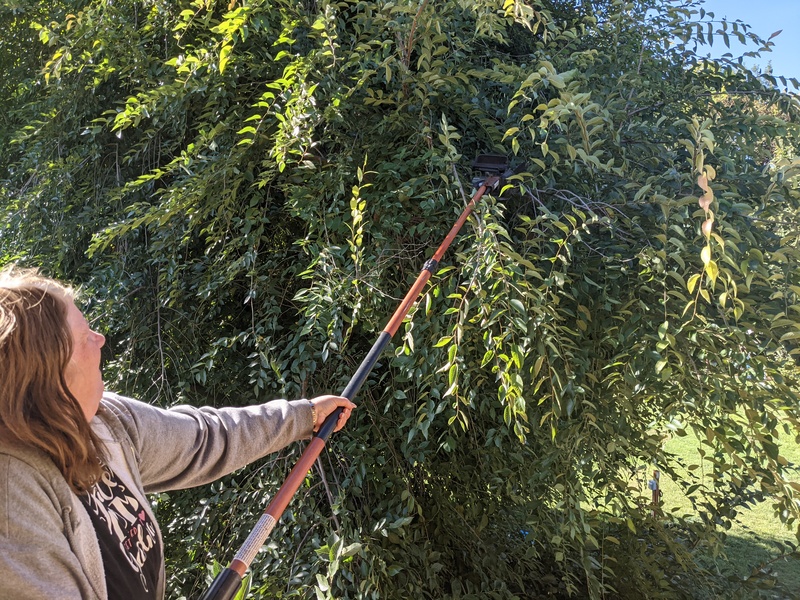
pixel 400 313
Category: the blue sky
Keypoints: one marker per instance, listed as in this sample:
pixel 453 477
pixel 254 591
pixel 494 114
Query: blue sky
pixel 765 17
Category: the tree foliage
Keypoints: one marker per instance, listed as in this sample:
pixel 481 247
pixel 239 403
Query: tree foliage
pixel 246 189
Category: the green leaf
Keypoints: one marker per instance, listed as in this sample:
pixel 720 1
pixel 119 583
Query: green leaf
pixel 443 341
pixel 518 306
pixel 224 56
pixel 705 255
pixel 692 282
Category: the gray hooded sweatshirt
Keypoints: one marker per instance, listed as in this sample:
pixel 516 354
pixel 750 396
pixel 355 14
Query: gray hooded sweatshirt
pixel 48 546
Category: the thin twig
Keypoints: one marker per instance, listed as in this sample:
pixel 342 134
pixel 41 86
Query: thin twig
pixel 321 471
pixel 410 43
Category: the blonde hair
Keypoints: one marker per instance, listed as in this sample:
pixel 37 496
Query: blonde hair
pixel 36 407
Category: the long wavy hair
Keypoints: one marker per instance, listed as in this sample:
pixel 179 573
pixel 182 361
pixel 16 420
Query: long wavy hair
pixel 36 407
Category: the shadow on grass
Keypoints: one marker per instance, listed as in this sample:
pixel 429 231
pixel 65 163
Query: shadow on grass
pixel 758 568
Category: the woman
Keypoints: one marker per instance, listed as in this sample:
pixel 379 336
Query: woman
pixel 76 462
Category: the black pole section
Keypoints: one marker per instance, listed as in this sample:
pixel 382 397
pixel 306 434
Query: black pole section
pixel 355 383
pixel 224 586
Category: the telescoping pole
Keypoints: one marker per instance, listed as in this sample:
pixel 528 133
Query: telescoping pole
pixel 226 584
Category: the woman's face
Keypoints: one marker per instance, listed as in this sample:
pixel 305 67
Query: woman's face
pixel 83 376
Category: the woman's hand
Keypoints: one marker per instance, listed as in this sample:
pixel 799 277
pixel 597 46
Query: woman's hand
pixel 325 405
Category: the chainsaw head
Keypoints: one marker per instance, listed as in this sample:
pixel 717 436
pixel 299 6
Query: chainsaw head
pixel 490 164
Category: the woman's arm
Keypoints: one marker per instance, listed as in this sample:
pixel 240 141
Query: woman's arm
pixel 187 446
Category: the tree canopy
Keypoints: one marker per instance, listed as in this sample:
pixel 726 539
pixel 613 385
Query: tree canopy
pixel 246 188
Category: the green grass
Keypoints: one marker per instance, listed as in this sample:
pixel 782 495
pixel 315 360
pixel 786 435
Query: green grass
pixel 752 538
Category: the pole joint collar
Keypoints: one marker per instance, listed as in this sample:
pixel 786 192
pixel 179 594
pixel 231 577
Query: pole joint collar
pixel 431 265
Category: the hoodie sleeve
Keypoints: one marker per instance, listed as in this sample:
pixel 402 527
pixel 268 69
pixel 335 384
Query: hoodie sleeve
pixel 185 446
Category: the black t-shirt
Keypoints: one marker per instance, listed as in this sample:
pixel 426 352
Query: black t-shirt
pixel 128 539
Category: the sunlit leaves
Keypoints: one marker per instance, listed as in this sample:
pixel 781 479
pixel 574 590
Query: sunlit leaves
pixel 263 181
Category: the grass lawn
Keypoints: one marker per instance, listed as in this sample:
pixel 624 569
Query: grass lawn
pixel 751 540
